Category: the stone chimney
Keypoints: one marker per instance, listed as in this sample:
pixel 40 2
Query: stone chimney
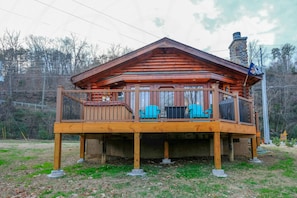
pixel 238 49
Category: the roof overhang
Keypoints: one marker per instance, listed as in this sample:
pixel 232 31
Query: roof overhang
pixel 106 70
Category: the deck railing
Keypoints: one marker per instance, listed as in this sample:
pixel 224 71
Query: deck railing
pixel 153 105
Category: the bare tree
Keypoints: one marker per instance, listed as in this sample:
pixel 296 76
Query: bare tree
pixel 282 80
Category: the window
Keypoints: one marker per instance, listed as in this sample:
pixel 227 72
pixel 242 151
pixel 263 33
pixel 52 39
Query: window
pixel 166 99
pixel 195 96
pixel 144 98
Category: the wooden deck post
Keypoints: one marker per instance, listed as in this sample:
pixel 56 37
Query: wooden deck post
pixel 231 148
pixel 217 171
pixel 258 132
pixel 166 159
pixel 103 155
pixel 254 147
pixel 136 170
pixel 166 149
pixel 217 150
pixel 136 150
pixel 82 147
pixel 57 172
pixel 57 151
pixel 58 136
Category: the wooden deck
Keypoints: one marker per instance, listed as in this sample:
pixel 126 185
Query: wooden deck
pixel 79 114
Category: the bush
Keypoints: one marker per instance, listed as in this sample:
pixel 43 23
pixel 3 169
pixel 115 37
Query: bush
pixel 276 141
pixel 291 143
pixel 19 122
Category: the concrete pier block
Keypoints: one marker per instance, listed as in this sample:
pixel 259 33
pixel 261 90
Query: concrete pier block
pixel 137 172
pixel 56 174
pixel 219 173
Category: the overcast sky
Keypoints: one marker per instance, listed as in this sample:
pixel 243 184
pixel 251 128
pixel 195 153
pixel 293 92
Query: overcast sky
pixel 204 24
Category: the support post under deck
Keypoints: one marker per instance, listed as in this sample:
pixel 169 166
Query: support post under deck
pixel 254 151
pixel 82 148
pixel 231 148
pixel 136 170
pixel 57 172
pixel 166 159
pixel 217 171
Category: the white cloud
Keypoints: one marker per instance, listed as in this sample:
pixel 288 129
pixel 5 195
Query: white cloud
pixel 203 24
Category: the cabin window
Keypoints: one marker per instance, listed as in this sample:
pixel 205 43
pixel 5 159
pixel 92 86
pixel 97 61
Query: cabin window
pixel 144 98
pixel 166 99
pixel 121 96
pixel 194 96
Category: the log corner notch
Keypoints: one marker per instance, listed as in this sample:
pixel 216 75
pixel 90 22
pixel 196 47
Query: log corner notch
pixel 217 171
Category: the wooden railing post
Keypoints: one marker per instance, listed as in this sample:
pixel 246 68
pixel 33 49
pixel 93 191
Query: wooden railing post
pixel 136 113
pixel 59 104
pixel 236 107
pixel 215 101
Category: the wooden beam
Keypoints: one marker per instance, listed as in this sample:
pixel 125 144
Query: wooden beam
pixel 246 129
pixel 166 149
pixel 153 127
pixel 131 127
pixel 57 151
pixel 82 146
pixel 136 150
pixel 217 150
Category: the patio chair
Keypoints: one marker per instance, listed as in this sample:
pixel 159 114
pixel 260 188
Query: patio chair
pixel 196 111
pixel 150 112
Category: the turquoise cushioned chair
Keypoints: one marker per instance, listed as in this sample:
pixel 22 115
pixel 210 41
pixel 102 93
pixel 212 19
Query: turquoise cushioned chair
pixel 196 111
pixel 150 112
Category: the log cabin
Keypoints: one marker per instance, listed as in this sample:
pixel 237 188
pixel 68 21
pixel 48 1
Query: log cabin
pixel 165 100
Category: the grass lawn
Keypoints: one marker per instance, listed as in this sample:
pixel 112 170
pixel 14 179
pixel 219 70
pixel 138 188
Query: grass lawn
pixel 24 167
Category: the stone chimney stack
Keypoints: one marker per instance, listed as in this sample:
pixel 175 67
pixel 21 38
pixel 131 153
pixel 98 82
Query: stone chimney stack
pixel 238 49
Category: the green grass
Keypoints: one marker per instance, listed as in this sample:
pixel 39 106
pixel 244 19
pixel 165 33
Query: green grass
pixel 251 181
pixel 122 185
pixel 240 166
pixel 21 167
pixel 2 162
pixel 286 165
pixel 190 171
pixel 275 177
pixel 98 172
pixel 287 192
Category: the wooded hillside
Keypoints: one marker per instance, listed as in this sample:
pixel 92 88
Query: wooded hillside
pixel 31 68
